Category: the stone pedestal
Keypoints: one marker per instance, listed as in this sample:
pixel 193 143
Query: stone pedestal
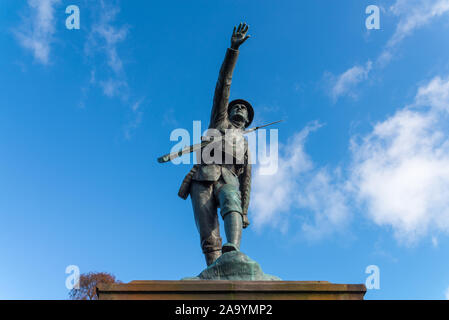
pixel 230 290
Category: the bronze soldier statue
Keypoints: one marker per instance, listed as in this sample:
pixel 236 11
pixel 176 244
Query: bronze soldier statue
pixel 224 185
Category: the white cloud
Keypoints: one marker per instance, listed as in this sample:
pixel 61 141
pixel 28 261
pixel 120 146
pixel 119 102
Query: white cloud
pixel 434 241
pixel 415 14
pixel 102 44
pixel 104 39
pixel 398 177
pixel 446 294
pixel 401 169
pixel 272 195
pixel 298 186
pixel 137 114
pixel 434 95
pixel 37 28
pixel 136 106
pixel 412 14
pixel 113 87
pixel 345 83
pixel 326 198
pixel 107 36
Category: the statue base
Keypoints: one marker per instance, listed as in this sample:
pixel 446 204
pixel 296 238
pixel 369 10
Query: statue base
pixel 234 265
pixel 230 290
pixel 233 276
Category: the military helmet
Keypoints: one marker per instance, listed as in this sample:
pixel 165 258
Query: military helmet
pixel 248 106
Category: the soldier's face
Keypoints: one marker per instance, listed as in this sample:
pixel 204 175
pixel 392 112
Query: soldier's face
pixel 239 113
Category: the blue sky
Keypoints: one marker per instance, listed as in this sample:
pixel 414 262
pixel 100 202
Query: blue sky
pixel 363 175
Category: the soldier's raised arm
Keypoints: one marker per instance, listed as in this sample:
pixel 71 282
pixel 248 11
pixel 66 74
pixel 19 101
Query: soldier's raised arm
pixel 222 89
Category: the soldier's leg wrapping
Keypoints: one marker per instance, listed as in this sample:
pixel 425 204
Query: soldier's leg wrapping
pixel 233 230
pixel 206 219
pixel 231 211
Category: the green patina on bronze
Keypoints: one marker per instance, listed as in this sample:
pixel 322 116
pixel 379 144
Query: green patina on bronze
pixel 213 185
pixel 234 265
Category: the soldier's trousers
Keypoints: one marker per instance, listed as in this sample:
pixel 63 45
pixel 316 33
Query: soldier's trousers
pixel 206 198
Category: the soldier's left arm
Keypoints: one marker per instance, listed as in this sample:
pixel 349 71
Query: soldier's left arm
pixel 245 189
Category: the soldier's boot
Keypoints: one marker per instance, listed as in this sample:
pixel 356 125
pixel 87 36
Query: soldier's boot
pixel 233 230
pixel 212 256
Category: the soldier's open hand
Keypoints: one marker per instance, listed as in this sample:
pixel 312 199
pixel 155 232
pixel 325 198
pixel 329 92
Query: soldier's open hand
pixel 239 35
pixel 245 221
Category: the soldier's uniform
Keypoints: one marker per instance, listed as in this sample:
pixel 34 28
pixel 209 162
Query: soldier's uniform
pixel 223 185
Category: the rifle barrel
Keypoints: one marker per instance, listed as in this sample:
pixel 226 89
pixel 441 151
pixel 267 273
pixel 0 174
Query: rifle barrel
pixel 195 147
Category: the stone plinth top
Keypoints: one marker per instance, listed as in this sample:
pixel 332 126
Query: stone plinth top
pixel 230 290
